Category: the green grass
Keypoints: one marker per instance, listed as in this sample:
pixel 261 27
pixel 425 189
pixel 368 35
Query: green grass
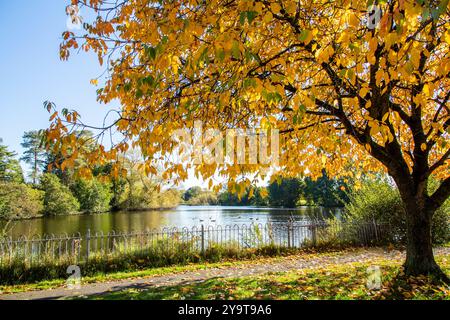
pixel 17 271
pixel 336 282
pixel 142 271
pixel 102 277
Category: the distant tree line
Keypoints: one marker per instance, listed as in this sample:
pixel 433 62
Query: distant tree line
pixel 54 190
pixel 281 192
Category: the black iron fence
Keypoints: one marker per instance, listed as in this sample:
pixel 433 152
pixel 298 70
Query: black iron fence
pixel 81 248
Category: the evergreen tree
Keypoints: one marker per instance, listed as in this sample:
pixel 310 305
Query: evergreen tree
pixel 10 170
pixel 35 154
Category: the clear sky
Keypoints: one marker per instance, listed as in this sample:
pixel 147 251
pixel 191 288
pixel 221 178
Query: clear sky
pixel 31 71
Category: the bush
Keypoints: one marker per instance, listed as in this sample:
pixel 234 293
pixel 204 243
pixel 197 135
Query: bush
pixel 162 253
pixel 285 192
pixel 140 197
pixel 58 199
pixel 19 201
pixel 192 193
pixel 258 198
pixel 379 201
pixel 93 195
pixel 204 199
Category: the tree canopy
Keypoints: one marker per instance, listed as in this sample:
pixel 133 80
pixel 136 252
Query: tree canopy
pixel 341 86
pixel 10 170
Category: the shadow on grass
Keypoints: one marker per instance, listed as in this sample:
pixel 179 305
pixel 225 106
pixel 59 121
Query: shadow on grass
pixel 339 282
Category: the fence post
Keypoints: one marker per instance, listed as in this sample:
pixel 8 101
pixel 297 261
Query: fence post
pixel 292 234
pixel 203 239
pixel 376 230
pixel 314 233
pixel 88 244
pixel 289 236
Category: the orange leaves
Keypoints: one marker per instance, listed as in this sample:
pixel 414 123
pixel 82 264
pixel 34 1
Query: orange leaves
pixel 324 54
pixel 104 27
pixel 275 7
pixel 373 44
pixel 353 20
pixel 66 47
pixel 249 65
pixel 306 36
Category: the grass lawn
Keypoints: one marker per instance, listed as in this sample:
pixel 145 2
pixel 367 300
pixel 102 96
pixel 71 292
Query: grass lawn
pixel 339 282
pixel 150 272
pixel 101 277
pixel 336 281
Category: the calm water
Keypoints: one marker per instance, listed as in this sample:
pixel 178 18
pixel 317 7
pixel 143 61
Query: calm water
pixel 183 216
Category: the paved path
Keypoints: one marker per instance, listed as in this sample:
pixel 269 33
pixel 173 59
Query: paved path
pixel 296 262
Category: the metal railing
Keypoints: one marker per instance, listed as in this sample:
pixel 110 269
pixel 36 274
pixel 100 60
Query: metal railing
pixel 198 239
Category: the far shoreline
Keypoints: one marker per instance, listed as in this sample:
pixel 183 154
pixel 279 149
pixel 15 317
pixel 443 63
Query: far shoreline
pixel 161 209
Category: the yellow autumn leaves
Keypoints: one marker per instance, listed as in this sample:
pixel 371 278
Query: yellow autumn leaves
pixel 277 63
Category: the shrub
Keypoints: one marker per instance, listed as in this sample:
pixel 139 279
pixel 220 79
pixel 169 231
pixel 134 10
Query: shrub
pixel 192 193
pixel 58 199
pixel 204 199
pixel 165 252
pixel 19 201
pixel 141 197
pixel 284 192
pixel 379 201
pixel 258 198
pixel 93 195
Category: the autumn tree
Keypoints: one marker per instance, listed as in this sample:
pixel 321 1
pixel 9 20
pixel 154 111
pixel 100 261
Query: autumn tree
pixel 68 162
pixel 342 83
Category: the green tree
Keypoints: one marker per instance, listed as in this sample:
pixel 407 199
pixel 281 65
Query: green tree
pixel 192 193
pixel 378 200
pixel 17 200
pixel 324 191
pixel 258 198
pixel 118 184
pixel 93 195
pixel 10 169
pixel 204 198
pixel 227 198
pixel 284 192
pixel 34 154
pixel 252 197
pixel 58 199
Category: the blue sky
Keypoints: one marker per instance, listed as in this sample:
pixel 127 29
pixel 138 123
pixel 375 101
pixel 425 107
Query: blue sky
pixel 31 71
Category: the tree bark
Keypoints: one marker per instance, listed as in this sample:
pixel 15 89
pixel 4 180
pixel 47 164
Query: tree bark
pixel 419 250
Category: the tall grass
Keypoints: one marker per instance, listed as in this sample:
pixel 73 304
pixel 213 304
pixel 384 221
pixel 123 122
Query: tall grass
pixel 161 253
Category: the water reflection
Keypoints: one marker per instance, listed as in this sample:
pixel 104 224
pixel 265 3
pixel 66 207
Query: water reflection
pixel 183 216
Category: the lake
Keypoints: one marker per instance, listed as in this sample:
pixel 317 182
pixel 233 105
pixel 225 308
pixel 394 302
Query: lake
pixel 183 216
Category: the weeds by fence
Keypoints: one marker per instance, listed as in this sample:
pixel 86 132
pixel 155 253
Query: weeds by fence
pixel 82 248
pixel 37 258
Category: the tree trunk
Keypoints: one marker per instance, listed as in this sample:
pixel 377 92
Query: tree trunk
pixel 419 251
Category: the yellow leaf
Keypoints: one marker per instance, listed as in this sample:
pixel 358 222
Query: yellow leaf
pixel 353 20
pixel 268 17
pixel 263 193
pixel 276 8
pixel 363 92
pixel 447 37
pixel 423 146
pixel 324 160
